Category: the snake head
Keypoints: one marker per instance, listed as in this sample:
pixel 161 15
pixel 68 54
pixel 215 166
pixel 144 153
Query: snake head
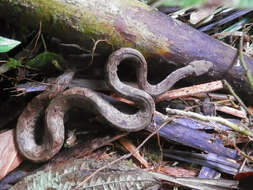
pixel 201 67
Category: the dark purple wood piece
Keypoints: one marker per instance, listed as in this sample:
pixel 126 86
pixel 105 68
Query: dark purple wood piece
pixel 214 161
pixel 191 137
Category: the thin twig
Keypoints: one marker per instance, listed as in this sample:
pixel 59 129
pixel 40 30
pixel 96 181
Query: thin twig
pixel 239 128
pixel 37 38
pixel 243 64
pixel 230 89
pixel 94 49
pixel 124 156
pixel 242 153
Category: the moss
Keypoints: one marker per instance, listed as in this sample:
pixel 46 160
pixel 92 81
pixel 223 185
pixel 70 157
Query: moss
pixel 116 23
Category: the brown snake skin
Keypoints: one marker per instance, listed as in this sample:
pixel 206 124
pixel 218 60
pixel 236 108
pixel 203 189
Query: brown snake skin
pixel 26 125
pixel 195 68
pixel 83 97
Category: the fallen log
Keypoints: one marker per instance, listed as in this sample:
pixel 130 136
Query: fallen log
pixel 129 23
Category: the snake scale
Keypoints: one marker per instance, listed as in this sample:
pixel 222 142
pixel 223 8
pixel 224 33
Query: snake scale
pixel 57 102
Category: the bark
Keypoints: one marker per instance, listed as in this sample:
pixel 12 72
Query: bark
pixel 129 23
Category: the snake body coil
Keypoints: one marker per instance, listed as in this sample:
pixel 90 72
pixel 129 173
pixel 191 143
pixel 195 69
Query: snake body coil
pixel 27 121
pixel 86 98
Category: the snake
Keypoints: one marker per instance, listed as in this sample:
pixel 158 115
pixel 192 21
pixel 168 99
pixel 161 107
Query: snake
pixel 27 122
pixel 62 101
pixel 194 68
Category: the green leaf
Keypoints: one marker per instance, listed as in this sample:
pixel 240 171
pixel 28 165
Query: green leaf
pixel 71 174
pixel 46 59
pixel 13 63
pixel 7 44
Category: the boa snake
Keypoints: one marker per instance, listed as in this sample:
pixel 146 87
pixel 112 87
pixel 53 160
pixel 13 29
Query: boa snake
pixel 57 102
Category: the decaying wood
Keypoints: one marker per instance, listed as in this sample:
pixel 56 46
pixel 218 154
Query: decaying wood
pixel 217 162
pixel 192 90
pixel 231 111
pixel 129 23
pixel 128 145
pixel 188 136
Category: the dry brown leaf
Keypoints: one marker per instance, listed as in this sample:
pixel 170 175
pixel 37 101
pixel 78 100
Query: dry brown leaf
pixel 9 156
